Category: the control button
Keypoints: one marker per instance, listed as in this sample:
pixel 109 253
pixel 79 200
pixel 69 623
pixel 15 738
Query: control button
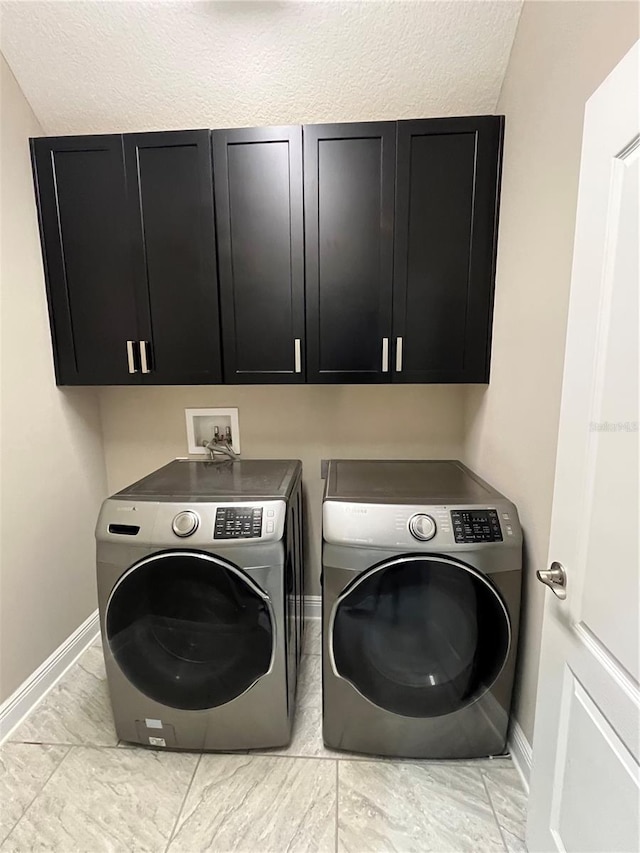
pixel 271 513
pixel 269 526
pixel 422 527
pixel 185 523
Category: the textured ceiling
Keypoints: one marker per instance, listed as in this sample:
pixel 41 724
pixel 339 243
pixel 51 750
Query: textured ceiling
pixel 121 66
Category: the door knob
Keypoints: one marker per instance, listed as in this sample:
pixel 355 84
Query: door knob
pixel 555 578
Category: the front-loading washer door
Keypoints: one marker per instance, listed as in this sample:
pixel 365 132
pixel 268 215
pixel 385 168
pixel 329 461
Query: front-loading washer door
pixel 420 636
pixel 189 630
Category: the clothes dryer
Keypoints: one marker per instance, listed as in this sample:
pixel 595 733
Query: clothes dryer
pixel 421 582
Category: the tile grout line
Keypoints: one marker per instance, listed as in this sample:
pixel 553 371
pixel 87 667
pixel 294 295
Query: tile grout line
pixel 183 803
pixel 360 758
pixel 258 752
pixel 46 782
pixel 493 811
pixel 337 803
pixel 68 744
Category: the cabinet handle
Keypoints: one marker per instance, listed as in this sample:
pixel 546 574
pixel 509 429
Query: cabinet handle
pixel 398 355
pixel 131 358
pixel 144 361
pixel 385 355
pixel 297 356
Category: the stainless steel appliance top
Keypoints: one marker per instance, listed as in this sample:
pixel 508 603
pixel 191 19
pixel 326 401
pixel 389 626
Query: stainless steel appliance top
pixel 191 481
pixel 445 481
pixel 416 505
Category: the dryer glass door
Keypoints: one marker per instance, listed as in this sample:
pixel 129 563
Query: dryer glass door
pixel 190 630
pixel 421 636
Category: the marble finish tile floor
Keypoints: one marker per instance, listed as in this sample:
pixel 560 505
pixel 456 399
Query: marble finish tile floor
pixel 65 787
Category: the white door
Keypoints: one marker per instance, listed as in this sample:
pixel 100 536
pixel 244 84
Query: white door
pixel 585 779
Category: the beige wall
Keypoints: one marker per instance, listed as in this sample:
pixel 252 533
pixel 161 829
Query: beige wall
pixel 145 427
pixel 53 475
pixel 562 51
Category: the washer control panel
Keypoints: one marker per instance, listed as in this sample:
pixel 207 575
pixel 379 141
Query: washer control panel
pixel 476 525
pixel 422 527
pixel 197 524
pixel 239 522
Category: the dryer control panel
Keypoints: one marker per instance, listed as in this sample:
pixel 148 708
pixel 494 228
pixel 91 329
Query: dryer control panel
pixel 412 527
pixel 476 525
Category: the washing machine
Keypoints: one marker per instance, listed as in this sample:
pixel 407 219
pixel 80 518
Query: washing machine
pixel 200 586
pixel 421 581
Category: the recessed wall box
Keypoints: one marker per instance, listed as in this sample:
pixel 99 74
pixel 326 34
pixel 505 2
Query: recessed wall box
pixel 202 425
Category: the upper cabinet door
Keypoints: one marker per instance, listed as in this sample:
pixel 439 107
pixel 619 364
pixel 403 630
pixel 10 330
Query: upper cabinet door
pixel 172 223
pixel 348 198
pixel 81 198
pixel 448 177
pixel 258 193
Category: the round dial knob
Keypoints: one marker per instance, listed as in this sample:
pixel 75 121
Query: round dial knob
pixel 185 523
pixel 422 527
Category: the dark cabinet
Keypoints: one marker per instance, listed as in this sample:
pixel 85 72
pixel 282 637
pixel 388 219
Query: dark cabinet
pixel 447 180
pixel 348 196
pixel 401 290
pixel 81 195
pixel 340 253
pixel 171 226
pixel 258 193
pixel 129 248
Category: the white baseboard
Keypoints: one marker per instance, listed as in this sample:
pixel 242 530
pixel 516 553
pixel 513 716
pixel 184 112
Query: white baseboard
pixel 35 688
pixel 521 753
pixel 312 606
